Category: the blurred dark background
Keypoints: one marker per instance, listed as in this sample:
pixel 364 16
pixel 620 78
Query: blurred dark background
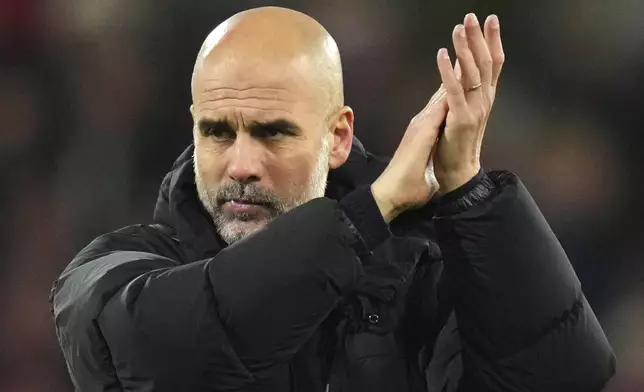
pixel 94 99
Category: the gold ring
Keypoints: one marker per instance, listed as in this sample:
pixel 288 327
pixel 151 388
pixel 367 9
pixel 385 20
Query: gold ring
pixel 473 88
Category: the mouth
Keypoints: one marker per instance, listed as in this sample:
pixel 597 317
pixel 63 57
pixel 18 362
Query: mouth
pixel 242 202
pixel 237 206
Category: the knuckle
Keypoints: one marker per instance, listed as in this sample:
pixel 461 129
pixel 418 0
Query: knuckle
pixel 474 118
pixel 465 121
pixel 471 123
pixel 456 90
pixel 416 119
pixel 499 59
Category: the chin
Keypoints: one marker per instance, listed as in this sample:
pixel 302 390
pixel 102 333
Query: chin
pixel 236 230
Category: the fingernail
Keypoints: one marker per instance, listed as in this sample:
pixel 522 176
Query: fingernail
pixel 494 21
pixel 442 52
pixel 473 18
pixel 460 30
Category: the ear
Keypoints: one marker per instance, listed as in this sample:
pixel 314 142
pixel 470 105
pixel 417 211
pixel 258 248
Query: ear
pixel 342 132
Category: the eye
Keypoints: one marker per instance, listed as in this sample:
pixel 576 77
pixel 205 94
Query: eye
pixel 269 133
pixel 220 135
pixel 217 130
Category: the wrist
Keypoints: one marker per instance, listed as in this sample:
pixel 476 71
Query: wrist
pixel 388 209
pixel 361 209
pixel 454 180
pixel 474 192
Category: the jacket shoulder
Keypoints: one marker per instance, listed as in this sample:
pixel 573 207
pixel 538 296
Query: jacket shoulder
pixel 109 260
pixel 155 239
pixel 84 287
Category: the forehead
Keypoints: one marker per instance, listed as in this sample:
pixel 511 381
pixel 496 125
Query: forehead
pixel 255 84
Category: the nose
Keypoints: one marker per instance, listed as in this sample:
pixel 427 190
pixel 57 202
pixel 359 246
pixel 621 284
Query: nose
pixel 245 164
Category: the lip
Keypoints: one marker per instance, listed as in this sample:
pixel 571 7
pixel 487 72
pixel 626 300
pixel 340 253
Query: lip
pixel 242 206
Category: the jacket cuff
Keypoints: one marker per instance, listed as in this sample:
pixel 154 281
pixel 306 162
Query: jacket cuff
pixel 472 193
pixel 362 210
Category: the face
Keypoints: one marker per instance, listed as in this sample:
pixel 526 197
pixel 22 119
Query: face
pixel 263 144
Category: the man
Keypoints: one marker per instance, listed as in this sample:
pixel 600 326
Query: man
pixel 257 276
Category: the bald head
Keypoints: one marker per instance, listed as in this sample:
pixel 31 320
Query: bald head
pixel 277 42
pixel 269 117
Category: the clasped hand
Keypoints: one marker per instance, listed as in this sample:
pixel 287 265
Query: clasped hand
pixel 427 160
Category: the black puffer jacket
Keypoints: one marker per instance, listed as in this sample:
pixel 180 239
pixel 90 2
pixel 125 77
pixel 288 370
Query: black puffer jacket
pixel 327 294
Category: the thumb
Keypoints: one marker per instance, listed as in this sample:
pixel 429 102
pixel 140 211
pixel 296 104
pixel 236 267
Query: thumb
pixel 424 129
pixel 437 114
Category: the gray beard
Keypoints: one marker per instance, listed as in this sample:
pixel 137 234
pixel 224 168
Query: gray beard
pixel 233 227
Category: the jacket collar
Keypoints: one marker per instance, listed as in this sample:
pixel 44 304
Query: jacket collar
pixel 178 205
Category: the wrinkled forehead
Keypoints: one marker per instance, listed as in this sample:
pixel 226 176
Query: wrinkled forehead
pixel 291 82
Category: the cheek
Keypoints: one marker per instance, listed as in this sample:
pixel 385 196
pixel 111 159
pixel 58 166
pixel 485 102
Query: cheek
pixel 293 171
pixel 208 164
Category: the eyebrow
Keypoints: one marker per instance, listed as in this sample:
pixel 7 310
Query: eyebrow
pixel 281 124
pixel 206 125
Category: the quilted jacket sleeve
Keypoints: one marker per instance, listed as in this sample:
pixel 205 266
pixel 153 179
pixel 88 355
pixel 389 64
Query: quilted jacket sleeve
pixel 129 318
pixel 523 320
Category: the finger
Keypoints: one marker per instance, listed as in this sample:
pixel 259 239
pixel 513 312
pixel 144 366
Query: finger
pixel 479 49
pixel 457 70
pixel 437 98
pixel 455 93
pixel 424 128
pixel 438 95
pixel 470 76
pixel 437 115
pixel 495 46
